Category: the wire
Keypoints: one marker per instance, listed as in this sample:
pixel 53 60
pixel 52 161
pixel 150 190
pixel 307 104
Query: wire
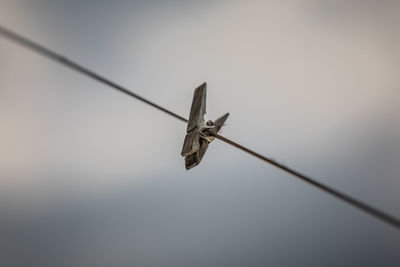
pixel 389 219
pixel 65 61
pixel 352 201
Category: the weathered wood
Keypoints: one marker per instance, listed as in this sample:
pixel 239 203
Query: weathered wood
pixel 192 160
pixel 218 123
pixel 199 134
pixel 198 108
pixel 191 143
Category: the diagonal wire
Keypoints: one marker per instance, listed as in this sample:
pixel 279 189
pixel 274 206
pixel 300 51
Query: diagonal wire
pixel 385 217
pixel 65 61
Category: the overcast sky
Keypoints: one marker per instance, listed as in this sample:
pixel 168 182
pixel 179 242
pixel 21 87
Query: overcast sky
pixel 89 176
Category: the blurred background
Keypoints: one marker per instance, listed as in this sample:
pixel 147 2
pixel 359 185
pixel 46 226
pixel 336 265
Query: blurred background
pixel 91 177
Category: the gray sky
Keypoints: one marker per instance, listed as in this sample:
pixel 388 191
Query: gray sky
pixel 89 176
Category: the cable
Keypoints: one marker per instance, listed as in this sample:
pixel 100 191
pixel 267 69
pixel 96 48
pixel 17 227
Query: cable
pixel 65 61
pixel 352 201
pixel 391 220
